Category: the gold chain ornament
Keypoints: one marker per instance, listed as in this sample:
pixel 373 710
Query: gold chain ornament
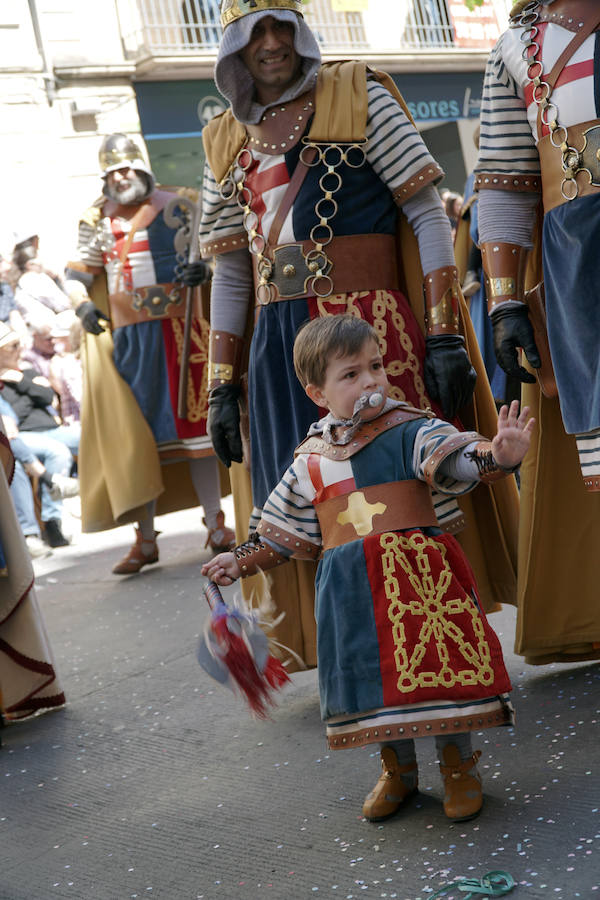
pixel 331 156
pixel 572 159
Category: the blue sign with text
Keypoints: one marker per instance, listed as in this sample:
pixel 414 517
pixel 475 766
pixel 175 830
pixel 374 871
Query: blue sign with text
pixel 180 109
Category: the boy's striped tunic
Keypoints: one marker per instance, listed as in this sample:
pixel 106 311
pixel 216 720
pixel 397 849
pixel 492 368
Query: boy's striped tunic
pixel 404 648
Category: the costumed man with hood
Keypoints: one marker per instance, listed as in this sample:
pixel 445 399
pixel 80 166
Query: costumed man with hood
pixel 538 176
pixel 319 198
pixel 145 354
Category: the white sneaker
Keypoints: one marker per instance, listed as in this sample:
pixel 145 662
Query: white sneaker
pixel 63 486
pixel 37 548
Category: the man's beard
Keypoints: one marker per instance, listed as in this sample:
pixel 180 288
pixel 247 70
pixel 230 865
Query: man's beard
pixel 137 189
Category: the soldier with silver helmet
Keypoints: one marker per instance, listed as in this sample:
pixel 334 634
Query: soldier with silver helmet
pixel 145 354
pixel 307 173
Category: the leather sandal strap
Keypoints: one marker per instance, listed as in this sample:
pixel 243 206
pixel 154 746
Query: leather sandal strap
pixel 463 766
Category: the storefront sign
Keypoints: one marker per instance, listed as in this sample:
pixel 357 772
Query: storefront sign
pixel 441 96
pixel 181 109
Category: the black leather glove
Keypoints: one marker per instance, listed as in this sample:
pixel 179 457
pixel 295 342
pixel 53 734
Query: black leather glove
pixel 90 316
pixel 224 423
pixel 512 329
pixel 195 273
pixel 449 376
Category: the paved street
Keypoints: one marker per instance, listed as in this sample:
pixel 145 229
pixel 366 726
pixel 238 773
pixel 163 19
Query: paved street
pixel 154 782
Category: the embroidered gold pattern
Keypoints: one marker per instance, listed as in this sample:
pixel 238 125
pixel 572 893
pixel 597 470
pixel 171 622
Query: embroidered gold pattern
pixel 436 602
pixel 197 402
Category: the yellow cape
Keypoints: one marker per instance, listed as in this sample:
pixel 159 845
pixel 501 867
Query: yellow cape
pixel 558 614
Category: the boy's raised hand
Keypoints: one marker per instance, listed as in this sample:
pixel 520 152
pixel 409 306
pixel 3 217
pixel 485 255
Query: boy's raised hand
pixel 513 436
pixel 222 569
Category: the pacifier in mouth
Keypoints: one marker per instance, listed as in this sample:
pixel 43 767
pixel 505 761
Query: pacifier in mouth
pixel 373 399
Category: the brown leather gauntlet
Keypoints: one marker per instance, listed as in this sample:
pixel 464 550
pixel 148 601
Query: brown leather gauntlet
pixel 441 289
pixel 224 358
pixel 255 555
pixel 488 468
pixel 504 270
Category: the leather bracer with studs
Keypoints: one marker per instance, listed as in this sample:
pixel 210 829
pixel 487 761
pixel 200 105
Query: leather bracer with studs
pixel 255 555
pixel 224 359
pixel 504 271
pixel 441 289
pixel 489 470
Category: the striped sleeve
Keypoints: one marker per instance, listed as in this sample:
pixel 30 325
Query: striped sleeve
pixel 222 224
pixel 428 439
pixel 395 149
pixel 506 143
pixel 289 506
pixel 89 245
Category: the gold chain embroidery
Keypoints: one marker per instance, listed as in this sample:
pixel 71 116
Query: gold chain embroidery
pixel 433 601
pixel 197 402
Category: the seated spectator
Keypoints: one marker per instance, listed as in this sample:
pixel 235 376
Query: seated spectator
pixel 41 352
pixel 38 293
pixel 66 376
pixel 34 402
pixel 27 465
pixel 9 311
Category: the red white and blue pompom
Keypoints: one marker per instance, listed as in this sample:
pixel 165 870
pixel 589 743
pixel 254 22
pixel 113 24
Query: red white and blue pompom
pixel 234 650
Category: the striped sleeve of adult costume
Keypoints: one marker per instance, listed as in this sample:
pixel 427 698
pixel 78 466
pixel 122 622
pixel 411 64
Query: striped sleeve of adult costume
pixel 222 222
pixel 395 148
pixel 289 506
pixel 89 245
pixel 506 144
pixel 588 446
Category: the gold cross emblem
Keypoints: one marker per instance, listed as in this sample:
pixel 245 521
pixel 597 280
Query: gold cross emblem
pixel 359 513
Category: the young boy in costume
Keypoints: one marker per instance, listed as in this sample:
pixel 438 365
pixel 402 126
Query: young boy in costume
pixel 404 648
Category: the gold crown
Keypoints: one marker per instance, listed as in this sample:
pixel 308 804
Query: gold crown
pixel 236 9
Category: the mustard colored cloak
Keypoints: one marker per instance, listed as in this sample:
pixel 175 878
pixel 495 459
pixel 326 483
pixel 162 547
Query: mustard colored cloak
pixel 558 613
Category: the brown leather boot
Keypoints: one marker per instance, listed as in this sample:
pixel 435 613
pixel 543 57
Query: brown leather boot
pixel 133 561
pixel 390 792
pixel 221 538
pixel 463 796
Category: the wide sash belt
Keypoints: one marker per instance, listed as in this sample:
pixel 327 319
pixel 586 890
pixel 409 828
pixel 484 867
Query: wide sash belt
pixel 585 137
pixel 371 510
pixel 148 304
pixel 359 262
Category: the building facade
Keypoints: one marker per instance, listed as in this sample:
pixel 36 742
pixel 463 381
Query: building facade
pixel 72 71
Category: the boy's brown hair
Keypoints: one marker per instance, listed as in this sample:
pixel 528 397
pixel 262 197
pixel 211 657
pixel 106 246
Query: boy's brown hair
pixel 323 339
